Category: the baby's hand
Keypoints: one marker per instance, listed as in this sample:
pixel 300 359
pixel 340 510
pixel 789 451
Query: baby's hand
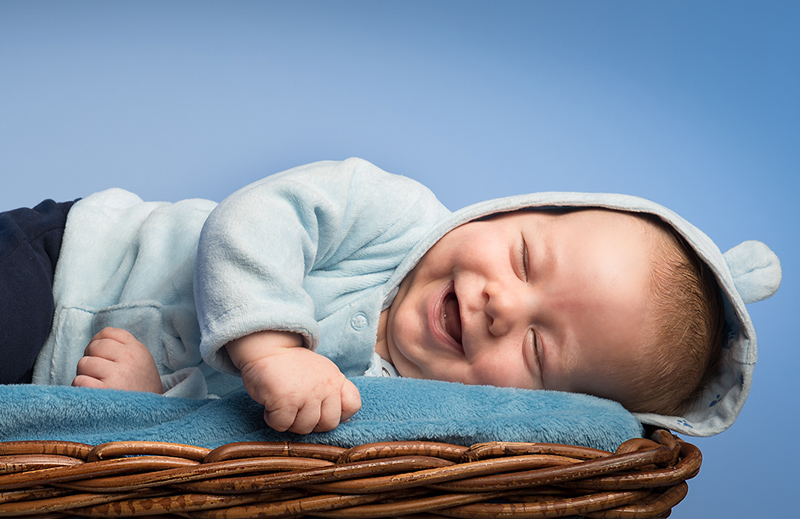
pixel 301 391
pixel 114 359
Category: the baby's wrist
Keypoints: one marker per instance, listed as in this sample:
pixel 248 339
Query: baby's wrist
pixel 261 344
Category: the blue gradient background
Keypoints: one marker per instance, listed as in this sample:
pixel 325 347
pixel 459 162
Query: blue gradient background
pixel 693 104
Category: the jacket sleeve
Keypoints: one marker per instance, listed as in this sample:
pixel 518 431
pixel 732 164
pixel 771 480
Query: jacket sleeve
pixel 264 247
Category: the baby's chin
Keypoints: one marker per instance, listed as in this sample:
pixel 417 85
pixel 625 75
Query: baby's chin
pixel 408 367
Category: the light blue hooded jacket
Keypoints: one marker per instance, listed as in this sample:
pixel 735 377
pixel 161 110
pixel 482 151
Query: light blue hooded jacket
pixel 319 250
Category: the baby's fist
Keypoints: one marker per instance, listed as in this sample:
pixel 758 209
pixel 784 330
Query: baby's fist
pixel 321 411
pixel 301 390
pixel 114 359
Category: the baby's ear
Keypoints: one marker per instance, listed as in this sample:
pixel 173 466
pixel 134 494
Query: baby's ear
pixel 756 270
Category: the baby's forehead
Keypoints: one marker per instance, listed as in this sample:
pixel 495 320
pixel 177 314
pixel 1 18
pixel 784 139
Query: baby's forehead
pixel 591 225
pixel 599 216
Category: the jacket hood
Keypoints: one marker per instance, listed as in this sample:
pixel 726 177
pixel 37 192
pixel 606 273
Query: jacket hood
pixel 747 273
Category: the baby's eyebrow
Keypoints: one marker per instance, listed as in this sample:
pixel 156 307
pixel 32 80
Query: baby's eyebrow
pixel 541 256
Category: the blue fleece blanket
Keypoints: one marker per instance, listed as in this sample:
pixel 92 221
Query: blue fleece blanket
pixel 392 409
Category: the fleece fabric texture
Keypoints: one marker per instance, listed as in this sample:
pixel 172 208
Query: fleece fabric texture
pixel 392 409
pixel 308 250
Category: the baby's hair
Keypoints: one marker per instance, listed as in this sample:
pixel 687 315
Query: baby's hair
pixel 686 350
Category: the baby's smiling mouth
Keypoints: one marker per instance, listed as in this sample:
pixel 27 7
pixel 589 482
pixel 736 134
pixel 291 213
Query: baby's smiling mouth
pixel 452 317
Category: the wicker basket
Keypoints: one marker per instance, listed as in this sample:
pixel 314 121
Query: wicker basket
pixel 644 478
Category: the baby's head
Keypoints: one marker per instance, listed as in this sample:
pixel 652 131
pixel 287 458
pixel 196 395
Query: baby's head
pixel 594 301
pixel 685 351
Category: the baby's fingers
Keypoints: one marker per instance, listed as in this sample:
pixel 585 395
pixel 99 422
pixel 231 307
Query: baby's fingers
pixel 91 371
pixel 351 400
pixel 281 419
pixel 87 381
pixel 314 416
pixel 307 419
pixel 330 414
pixel 339 407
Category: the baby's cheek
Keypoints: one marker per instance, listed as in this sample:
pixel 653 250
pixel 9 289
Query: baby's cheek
pixel 506 372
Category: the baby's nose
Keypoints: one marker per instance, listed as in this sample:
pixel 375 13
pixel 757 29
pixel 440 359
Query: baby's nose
pixel 504 309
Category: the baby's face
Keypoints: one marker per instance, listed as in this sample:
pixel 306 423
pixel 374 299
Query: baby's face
pixel 537 300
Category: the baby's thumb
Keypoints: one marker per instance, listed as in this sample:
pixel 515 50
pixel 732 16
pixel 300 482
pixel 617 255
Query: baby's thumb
pixel 351 400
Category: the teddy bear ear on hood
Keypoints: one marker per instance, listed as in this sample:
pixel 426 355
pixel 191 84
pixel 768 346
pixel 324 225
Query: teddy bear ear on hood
pixel 755 269
pixel 747 273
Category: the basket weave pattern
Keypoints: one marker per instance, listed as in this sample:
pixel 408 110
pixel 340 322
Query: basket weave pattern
pixel 644 478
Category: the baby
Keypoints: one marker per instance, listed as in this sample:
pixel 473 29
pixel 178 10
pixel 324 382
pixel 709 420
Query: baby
pixel 340 269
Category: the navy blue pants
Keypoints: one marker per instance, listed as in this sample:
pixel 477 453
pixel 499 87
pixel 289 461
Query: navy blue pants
pixel 30 242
